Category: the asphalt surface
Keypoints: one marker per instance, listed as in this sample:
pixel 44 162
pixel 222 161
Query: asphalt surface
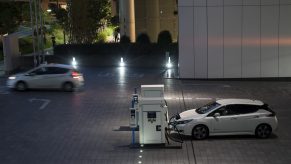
pixel 85 127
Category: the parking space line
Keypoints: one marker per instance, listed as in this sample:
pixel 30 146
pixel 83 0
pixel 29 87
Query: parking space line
pixel 44 104
pixel 178 98
pixel 203 98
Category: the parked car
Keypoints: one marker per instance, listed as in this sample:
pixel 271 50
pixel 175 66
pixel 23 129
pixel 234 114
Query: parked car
pixel 47 76
pixel 227 117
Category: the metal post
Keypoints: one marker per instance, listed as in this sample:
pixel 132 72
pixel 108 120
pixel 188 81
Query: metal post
pixel 133 136
pixel 36 23
pixel 133 129
pixel 32 28
pixel 41 32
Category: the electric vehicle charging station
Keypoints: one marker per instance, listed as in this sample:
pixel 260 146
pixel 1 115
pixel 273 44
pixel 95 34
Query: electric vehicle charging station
pixel 149 112
pixel 153 121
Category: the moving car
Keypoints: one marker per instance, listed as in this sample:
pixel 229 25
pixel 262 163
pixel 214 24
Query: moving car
pixel 47 76
pixel 227 117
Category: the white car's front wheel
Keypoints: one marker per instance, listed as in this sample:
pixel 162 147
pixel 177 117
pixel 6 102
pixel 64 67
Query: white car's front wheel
pixel 21 86
pixel 200 132
pixel 263 131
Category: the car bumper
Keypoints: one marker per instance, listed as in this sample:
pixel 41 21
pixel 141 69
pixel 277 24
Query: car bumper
pixel 182 129
pixel 10 83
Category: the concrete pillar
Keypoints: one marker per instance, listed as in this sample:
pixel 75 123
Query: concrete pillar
pixel 127 19
pixel 153 18
pixel 44 5
pixel 114 7
pixel 11 52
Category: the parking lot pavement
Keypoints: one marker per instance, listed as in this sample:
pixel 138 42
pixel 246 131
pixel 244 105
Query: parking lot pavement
pixel 54 127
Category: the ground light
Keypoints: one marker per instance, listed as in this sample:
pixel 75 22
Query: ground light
pixel 121 64
pixel 74 62
pixel 169 63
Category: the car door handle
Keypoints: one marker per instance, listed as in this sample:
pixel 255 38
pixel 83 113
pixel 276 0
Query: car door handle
pixel 233 118
pixel 256 116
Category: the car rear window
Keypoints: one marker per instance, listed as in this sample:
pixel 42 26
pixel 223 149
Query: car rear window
pixel 267 108
pixel 243 108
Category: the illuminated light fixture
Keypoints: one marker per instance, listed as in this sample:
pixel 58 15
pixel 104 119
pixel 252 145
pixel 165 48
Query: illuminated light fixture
pixel 141 151
pixel 49 10
pixel 139 162
pixel 12 78
pixel 140 156
pixel 74 62
pixel 121 64
pixel 169 64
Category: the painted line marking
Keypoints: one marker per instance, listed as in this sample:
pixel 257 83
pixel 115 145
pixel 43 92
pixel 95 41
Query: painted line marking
pixel 189 98
pixel 44 104
pixel 177 98
pixel 223 85
pixel 203 98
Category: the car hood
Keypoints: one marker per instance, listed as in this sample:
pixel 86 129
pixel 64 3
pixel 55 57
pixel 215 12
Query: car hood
pixel 190 114
pixel 18 74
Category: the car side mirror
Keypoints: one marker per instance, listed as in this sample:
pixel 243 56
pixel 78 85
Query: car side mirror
pixel 177 117
pixel 216 115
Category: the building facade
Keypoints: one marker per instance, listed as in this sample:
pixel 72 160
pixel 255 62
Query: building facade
pixel 149 17
pixel 234 38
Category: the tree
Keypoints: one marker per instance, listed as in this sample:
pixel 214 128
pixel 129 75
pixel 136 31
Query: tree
pixel 86 18
pixel 164 38
pixel 13 14
pixel 63 20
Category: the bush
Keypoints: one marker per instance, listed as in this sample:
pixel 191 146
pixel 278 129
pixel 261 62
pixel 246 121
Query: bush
pixel 143 38
pixel 1 51
pixel 124 39
pixel 164 39
pixel 1 55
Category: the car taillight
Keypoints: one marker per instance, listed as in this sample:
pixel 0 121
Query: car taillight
pixel 75 74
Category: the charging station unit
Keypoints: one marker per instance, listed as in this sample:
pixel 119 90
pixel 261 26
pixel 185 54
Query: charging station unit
pixel 149 113
pixel 153 121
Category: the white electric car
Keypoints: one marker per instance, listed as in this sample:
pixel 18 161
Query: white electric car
pixel 47 76
pixel 227 117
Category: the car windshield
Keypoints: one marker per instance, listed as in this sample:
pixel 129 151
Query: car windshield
pixel 207 108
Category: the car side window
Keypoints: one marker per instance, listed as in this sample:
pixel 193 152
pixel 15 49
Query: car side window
pixel 57 70
pixel 222 111
pixel 39 71
pixel 245 109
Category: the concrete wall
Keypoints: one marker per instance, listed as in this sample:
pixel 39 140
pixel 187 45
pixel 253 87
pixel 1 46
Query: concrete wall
pixel 154 16
pixel 234 38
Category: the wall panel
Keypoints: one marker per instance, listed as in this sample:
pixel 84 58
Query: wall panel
pixel 200 42
pixel 186 3
pixel 251 42
pixel 186 39
pixel 199 2
pixel 215 42
pixel 269 41
pixel 232 41
pixel 285 42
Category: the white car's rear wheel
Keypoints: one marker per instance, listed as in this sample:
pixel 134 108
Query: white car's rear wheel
pixel 68 87
pixel 263 131
pixel 21 86
pixel 200 132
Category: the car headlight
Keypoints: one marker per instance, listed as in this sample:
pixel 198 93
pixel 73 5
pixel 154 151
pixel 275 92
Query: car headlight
pixel 11 77
pixel 183 122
